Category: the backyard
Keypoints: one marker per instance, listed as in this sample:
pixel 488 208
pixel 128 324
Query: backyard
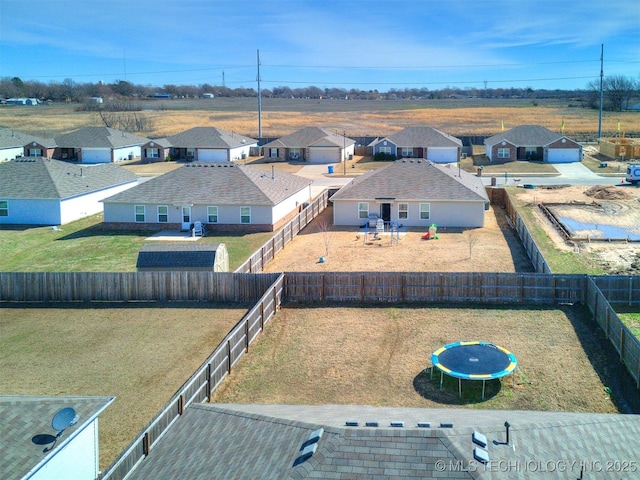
pixel 336 354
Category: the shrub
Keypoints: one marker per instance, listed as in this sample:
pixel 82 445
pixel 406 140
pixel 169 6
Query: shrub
pixel 384 157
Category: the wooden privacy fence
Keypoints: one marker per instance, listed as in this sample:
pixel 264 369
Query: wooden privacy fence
pixel 266 253
pixel 623 340
pixel 132 286
pixel 203 382
pixel 529 288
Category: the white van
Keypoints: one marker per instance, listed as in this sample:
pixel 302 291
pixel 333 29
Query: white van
pixel 633 174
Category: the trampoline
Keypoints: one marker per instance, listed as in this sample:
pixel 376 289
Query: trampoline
pixel 473 361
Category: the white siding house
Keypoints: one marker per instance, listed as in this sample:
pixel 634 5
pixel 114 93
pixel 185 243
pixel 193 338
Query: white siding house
pixel 223 196
pixel 40 191
pixel 99 145
pixel 413 193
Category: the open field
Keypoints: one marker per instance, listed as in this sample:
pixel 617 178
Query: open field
pixel 355 117
pixel 140 354
pixel 317 354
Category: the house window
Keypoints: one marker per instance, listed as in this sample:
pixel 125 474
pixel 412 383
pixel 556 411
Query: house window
pixel 212 214
pixel 363 210
pixel 385 150
pixel 4 208
pixel 245 214
pixel 503 153
pixel 407 152
pixel 153 153
pixel 191 153
pixel 403 211
pixel 139 210
pixel 294 153
pixel 273 153
pixel 424 211
pixel 35 152
pixel 163 214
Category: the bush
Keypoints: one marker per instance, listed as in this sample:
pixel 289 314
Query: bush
pixel 384 157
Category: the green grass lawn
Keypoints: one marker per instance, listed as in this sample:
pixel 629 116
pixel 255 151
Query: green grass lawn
pixel 632 321
pixel 83 246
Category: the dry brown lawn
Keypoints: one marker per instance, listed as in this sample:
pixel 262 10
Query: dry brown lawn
pixel 373 118
pixel 139 354
pixel 319 354
pixel 493 248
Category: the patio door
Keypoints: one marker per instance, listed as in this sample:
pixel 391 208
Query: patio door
pixel 186 218
pixel 385 212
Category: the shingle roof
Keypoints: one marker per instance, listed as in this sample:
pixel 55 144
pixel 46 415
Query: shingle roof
pixel 99 137
pixel 264 441
pixel 209 137
pixel 174 255
pixel 525 135
pixel 214 184
pixel 422 137
pixel 37 177
pixel 11 139
pixel 310 136
pixel 24 417
pixel 415 180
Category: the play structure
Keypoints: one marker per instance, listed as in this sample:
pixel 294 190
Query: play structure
pixel 473 361
pixel 432 234
pixel 374 231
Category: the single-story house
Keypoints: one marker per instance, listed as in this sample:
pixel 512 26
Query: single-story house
pixel 28 431
pixel 98 145
pixel 532 142
pixel 356 441
pixel 312 145
pixel 22 101
pixel 185 256
pixel 43 191
pixel 413 193
pixel 210 144
pixel 15 144
pixel 155 150
pixel 223 196
pixel 420 142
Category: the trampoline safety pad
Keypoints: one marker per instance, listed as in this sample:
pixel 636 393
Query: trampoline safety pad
pixel 474 360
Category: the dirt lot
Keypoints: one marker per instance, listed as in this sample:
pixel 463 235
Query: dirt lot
pixel 494 248
pixel 611 205
pixel 320 354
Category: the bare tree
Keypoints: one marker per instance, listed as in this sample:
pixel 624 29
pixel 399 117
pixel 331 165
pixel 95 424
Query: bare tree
pixel 324 227
pixel 473 238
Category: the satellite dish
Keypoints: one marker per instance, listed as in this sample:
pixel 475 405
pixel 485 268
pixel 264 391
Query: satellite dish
pixel 64 419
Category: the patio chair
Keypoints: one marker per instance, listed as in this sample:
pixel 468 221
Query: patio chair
pixel 198 229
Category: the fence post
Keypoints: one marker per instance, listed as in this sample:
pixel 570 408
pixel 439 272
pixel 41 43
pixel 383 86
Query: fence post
pixel 246 334
pixel 622 342
pixel 146 444
pixel 606 324
pixel 362 288
pixel 229 357
pixel 181 404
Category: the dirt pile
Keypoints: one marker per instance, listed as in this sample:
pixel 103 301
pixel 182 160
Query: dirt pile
pixel 604 192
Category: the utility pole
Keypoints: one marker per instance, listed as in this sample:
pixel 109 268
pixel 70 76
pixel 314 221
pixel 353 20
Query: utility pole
pixel 601 94
pixel 259 101
pixel 223 79
pixel 344 151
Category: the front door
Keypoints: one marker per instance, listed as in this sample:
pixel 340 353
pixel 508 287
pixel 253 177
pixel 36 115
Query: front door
pixel 385 212
pixel 186 218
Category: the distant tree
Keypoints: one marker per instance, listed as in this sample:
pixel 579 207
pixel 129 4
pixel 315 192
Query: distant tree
pixel 122 87
pixel 617 91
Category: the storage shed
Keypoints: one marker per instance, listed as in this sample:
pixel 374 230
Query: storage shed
pixel 202 257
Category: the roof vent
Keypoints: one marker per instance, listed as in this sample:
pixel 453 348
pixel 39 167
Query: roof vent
pixel 351 423
pixel 446 425
pixel 424 424
pixel 313 438
pixel 372 424
pixel 306 453
pixel 479 439
pixel 397 424
pixel 481 455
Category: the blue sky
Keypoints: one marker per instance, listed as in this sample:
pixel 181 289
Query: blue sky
pixel 363 44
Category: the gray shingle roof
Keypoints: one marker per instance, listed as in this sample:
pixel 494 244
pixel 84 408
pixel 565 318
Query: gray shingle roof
pixel 99 137
pixel 310 136
pixel 209 137
pixel 37 177
pixel 174 255
pixel 525 136
pixel 214 184
pixel 23 417
pixel 415 180
pixel 422 137
pixel 11 139
pixel 264 441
